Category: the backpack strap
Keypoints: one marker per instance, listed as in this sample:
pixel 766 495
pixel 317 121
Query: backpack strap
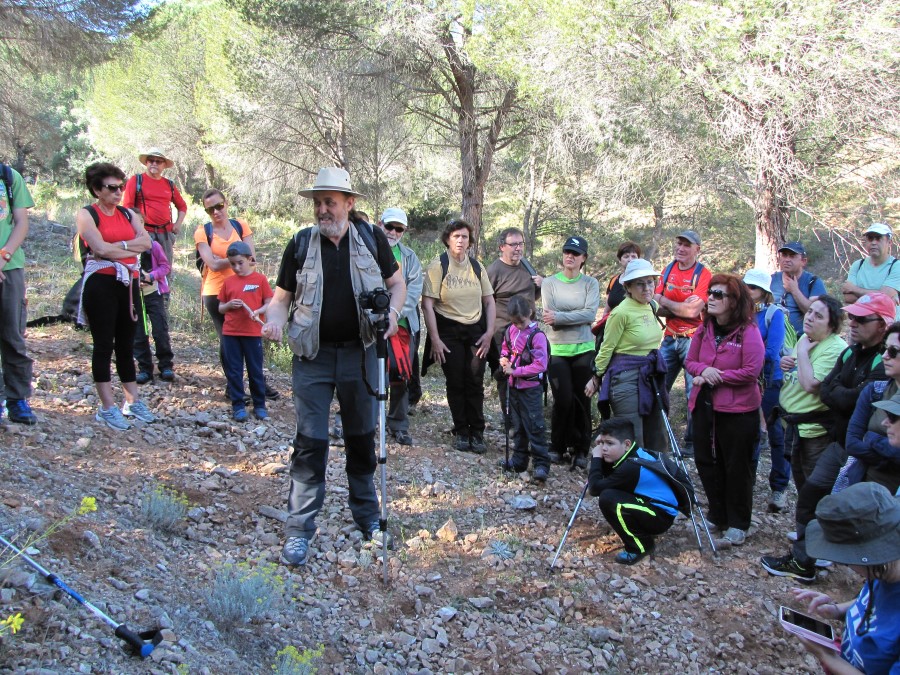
pixel 666 273
pixel 612 282
pixel 770 311
pixel 528 268
pixel 445 266
pixel 813 279
pixel 301 240
pixel 301 246
pixel 83 248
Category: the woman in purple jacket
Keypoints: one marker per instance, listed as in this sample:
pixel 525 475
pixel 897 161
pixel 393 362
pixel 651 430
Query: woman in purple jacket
pixel 725 359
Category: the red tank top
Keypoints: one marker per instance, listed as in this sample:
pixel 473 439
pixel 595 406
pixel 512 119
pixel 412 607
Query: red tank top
pixel 114 228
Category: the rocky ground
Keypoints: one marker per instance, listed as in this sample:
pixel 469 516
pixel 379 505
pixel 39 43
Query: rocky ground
pixel 469 588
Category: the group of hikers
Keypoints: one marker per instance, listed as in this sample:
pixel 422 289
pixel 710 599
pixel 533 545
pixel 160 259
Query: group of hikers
pixel 763 359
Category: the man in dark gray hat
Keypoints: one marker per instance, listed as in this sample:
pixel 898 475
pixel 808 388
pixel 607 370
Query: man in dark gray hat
pixel 323 271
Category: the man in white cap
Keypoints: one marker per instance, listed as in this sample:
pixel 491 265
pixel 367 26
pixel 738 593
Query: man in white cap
pixel 153 196
pixel 877 271
pixel 324 270
pixel 394 223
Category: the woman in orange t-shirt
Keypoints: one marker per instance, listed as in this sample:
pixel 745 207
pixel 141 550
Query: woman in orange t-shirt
pixel 212 252
pixel 110 294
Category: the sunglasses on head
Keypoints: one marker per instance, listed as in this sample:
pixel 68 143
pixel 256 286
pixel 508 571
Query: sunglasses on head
pixel 115 187
pixel 393 227
pixel 215 207
pixel 891 352
pixel 865 319
pixel 718 295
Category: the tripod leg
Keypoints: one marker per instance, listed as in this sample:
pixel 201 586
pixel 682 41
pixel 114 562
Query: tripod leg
pixel 382 461
pixel 569 526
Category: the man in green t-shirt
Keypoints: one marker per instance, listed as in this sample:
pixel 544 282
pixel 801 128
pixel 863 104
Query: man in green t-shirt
pixel 14 204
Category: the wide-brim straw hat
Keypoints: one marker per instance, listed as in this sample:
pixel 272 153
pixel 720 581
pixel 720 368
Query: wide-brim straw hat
pixel 155 152
pixel 331 179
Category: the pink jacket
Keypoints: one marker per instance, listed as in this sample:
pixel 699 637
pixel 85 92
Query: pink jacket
pixel 740 357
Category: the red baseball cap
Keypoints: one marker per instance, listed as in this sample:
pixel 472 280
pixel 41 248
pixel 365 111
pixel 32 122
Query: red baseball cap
pixel 874 303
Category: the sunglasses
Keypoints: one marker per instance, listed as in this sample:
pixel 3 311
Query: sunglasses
pixel 873 237
pixel 155 160
pixel 399 229
pixel 117 187
pixel 892 418
pixel 215 207
pixel 572 253
pixel 862 320
pixel 718 295
pixel 891 352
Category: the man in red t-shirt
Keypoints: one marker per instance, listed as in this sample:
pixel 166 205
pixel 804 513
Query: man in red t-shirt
pixel 681 295
pixel 154 202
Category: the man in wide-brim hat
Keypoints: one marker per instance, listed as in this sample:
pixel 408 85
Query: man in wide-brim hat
pixel 324 270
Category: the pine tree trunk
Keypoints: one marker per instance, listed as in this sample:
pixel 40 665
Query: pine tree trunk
pixel 771 221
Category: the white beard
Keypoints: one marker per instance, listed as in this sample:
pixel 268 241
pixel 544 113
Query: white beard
pixel 332 229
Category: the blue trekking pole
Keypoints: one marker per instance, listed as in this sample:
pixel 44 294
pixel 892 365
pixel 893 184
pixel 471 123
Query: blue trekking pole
pixel 142 644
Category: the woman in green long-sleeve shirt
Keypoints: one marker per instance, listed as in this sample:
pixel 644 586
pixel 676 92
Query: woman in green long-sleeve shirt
pixel 631 333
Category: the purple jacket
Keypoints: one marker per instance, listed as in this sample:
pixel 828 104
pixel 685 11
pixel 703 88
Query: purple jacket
pixel 539 354
pixel 160 267
pixel 740 357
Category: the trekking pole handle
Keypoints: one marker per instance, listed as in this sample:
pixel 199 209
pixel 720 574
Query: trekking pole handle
pixel 136 642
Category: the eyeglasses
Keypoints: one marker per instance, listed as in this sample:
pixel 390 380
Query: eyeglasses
pixel 155 160
pixel 399 229
pixel 892 418
pixel 862 320
pixel 118 187
pixel 718 295
pixel 891 352
pixel 515 244
pixel 646 283
pixel 215 207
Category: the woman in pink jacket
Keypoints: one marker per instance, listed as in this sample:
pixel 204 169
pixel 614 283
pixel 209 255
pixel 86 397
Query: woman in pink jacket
pixel 725 359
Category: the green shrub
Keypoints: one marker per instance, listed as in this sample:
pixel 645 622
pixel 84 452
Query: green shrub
pixel 163 507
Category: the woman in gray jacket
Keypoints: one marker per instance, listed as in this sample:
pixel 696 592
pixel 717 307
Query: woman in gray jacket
pixel 570 300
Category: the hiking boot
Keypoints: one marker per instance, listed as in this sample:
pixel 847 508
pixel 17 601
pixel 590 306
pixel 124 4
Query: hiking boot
pixel 374 534
pixel 540 474
pixel 580 462
pixel 628 558
pixel 763 441
pixel 18 411
pixel 735 536
pixel 788 566
pixel 687 449
pixel 555 458
pixel 507 465
pixel 462 443
pixel 477 444
pixel 295 551
pixel 337 431
pixel 138 410
pixel 166 374
pixel 143 377
pixel 777 502
pixel 113 418
pixel 260 413
pixel 239 414
pixel 402 437
pixel 271 394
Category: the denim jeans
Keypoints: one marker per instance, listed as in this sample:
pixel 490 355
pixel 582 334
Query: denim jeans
pixel 780 473
pixel 675 351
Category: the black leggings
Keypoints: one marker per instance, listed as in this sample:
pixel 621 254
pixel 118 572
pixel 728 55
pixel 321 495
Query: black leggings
pixel 571 418
pixel 105 303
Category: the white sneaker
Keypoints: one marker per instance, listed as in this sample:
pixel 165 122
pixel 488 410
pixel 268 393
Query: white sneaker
pixel 735 536
pixel 822 564
pixel 777 502
pixel 139 410
pixel 112 418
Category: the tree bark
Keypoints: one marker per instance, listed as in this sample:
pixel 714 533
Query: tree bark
pixel 772 217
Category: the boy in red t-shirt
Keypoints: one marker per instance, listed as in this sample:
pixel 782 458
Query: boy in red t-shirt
pixel 243 299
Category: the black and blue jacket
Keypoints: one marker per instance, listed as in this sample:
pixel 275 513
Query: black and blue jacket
pixel 629 476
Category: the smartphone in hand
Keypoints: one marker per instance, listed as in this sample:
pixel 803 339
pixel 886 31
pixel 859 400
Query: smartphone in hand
pixel 808 627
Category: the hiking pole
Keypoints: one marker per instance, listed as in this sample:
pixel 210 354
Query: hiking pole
pixel 679 460
pixel 506 423
pixel 569 526
pixel 142 644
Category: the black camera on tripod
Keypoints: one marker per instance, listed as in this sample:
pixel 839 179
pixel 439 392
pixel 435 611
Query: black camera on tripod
pixel 377 301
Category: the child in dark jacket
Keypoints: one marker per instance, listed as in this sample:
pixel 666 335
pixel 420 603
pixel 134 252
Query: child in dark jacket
pixel 243 300
pixel 636 502
pixel 524 358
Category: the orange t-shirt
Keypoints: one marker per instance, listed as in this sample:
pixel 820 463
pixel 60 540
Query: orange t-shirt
pixel 214 279
pixel 114 228
pixel 678 288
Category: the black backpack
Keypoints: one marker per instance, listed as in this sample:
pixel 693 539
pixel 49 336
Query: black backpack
pixel 208 229
pixel 139 192
pixel 676 478
pixel 7 175
pixel 83 248
pixel 476 267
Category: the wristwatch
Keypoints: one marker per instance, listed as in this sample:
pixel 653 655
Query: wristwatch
pixel 6 255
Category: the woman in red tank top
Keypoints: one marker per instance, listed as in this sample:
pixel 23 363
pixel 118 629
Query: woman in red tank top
pixel 110 295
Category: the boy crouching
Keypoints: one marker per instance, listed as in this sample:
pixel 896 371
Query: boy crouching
pixel 636 502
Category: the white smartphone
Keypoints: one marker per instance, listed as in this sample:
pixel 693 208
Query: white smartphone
pixel 808 627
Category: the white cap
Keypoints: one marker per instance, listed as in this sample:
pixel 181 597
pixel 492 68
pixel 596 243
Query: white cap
pixel 394 215
pixel 879 228
pixel 760 278
pixel 637 269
